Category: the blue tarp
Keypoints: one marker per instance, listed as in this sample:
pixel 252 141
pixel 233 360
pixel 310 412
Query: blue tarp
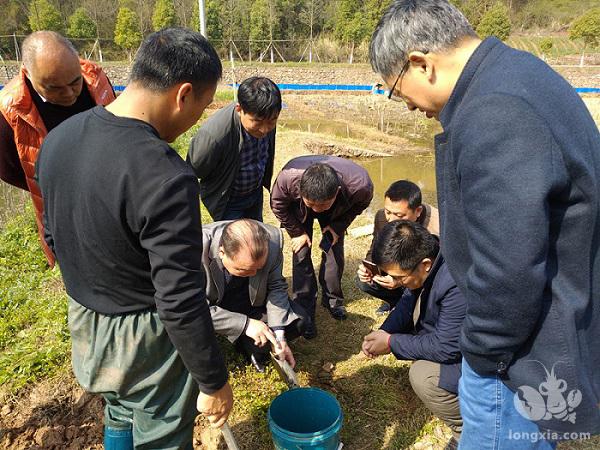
pixel 354 87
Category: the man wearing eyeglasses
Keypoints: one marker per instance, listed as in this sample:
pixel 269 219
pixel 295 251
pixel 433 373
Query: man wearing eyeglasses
pixel 425 326
pixel 517 166
pixel 402 200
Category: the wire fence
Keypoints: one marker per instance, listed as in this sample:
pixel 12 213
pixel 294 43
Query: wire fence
pixel 322 49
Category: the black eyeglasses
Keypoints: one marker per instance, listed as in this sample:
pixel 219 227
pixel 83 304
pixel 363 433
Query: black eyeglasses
pixel 402 278
pixel 391 95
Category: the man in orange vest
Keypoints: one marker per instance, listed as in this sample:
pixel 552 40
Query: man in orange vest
pixel 52 85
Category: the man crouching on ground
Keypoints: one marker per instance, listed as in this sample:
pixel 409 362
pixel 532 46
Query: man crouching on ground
pixel 425 325
pixel 247 292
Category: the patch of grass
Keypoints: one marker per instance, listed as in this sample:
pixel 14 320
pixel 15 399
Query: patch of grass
pixel 34 339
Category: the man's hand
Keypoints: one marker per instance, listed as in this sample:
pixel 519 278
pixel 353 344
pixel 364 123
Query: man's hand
pixel 386 282
pixel 216 406
pixel 284 353
pixel 299 242
pixel 260 332
pixel 364 274
pixel 335 236
pixel 376 343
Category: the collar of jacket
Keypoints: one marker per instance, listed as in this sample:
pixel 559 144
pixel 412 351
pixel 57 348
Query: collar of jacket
pixel 466 76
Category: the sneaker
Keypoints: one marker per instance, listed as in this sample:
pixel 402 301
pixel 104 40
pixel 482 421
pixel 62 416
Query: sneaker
pixel 383 309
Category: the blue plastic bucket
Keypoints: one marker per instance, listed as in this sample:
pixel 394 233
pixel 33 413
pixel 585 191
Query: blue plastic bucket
pixel 305 418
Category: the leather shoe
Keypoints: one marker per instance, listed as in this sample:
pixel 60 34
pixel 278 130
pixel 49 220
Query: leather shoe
pixel 338 312
pixel 258 364
pixel 310 332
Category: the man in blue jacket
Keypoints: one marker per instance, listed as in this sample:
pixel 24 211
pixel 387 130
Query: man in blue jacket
pixel 425 324
pixel 518 170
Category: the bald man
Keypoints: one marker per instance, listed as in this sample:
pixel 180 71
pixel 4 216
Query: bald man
pixel 246 291
pixel 52 85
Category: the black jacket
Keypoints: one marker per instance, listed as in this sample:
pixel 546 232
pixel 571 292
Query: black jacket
pixel 436 336
pixel 518 177
pixel 121 214
pixel 215 157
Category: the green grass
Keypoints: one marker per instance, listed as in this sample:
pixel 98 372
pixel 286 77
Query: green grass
pixel 34 339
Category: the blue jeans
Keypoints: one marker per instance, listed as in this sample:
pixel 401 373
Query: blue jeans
pixel 490 419
pixel 247 207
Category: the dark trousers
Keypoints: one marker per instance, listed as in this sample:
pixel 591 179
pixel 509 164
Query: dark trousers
pixel 247 207
pixel 304 281
pixel 424 378
pixel 390 296
pixel 292 331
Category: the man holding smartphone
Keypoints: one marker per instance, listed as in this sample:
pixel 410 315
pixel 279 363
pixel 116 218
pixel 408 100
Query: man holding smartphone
pixel 425 327
pixel 333 191
pixel 402 201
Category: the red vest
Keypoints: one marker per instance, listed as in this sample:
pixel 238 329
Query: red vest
pixel 29 130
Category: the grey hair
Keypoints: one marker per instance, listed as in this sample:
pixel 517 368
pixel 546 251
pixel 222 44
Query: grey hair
pixel 415 25
pixel 39 41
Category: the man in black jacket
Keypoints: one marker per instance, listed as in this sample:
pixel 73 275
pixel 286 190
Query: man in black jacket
pixel 517 171
pixel 123 219
pixel 233 152
pixel 425 324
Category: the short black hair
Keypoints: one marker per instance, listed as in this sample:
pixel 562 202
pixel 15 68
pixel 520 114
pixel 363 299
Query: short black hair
pixel 405 190
pixel 319 183
pixel 245 233
pixel 404 243
pixel 175 55
pixel 260 97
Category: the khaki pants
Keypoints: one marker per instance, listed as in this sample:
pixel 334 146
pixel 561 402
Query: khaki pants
pixel 130 360
pixel 424 378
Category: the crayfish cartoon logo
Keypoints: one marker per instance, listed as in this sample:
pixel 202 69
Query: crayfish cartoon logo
pixel 548 401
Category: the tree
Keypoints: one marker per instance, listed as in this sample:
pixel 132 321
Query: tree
pixel 262 18
pixel 586 28
pixel 374 9
pixel 127 31
pixel 214 26
pixel 143 10
pixel 351 26
pixel 495 22
pixel 474 10
pixel 309 15
pixel 164 15
pixel 104 15
pixel 44 16
pixel 81 25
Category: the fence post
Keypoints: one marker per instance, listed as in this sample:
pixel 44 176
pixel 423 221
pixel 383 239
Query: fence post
pixel 17 52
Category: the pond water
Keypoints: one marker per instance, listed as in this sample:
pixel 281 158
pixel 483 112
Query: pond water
pixel 420 169
pixel 416 167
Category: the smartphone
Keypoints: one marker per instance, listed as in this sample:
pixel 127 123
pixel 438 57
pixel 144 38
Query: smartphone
pixel 372 267
pixel 326 241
